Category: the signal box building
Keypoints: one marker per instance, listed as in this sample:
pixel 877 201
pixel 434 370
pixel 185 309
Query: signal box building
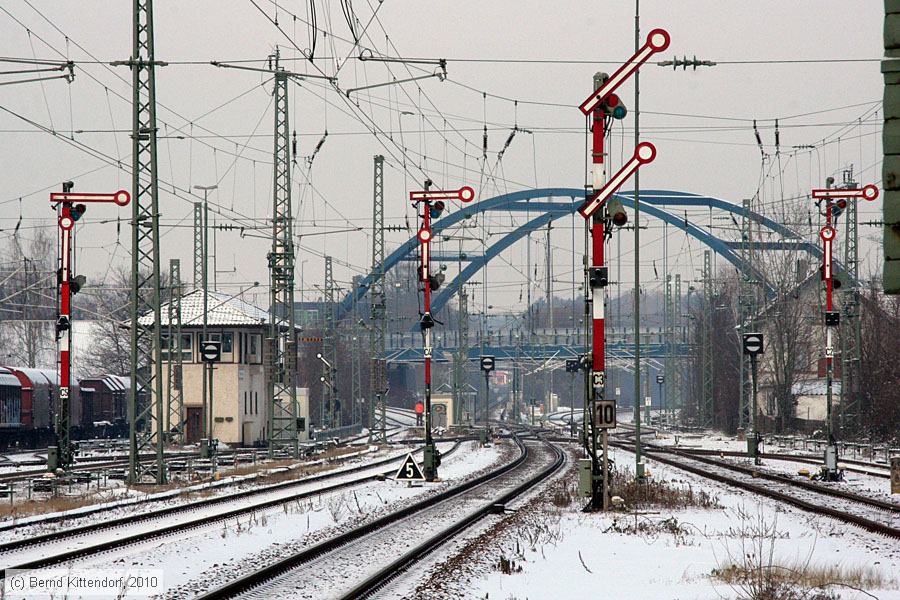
pixel 240 414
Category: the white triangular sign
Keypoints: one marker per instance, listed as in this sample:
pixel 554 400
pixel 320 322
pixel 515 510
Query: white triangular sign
pixel 409 470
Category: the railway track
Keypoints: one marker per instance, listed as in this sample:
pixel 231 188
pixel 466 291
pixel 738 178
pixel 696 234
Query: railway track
pixel 376 543
pixel 92 464
pixel 872 514
pixel 28 553
pixel 851 466
pixel 854 466
pixel 138 501
pixel 103 462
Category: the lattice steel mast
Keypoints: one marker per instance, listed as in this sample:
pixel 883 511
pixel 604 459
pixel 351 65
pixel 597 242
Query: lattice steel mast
pixel 329 351
pixel 851 334
pixel 462 352
pixel 678 375
pixel 355 365
pixel 669 364
pixel 146 418
pixel 707 414
pixel 175 396
pixel 378 375
pixel 198 245
pixel 281 359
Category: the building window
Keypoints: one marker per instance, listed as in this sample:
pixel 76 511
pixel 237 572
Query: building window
pixel 227 341
pixel 256 400
pixel 309 318
pixel 186 354
pixel 245 402
pixel 253 354
pixel 164 346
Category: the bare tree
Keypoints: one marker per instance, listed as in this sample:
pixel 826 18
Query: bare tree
pixel 110 308
pixel 790 315
pixel 880 375
pixel 725 351
pixel 28 300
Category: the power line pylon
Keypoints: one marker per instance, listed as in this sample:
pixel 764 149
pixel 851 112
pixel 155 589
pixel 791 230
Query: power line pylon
pixel 146 418
pixel 707 414
pixel 198 245
pixel 281 359
pixel 355 365
pixel 678 341
pixel 378 368
pixel 851 334
pixel 669 364
pixel 462 352
pixel 329 351
pixel 175 406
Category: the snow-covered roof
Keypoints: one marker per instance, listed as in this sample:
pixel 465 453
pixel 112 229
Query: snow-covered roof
pixel 114 383
pixel 117 382
pixel 224 309
pixel 815 387
pixel 38 376
pixel 9 379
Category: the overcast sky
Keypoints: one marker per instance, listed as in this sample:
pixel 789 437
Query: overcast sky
pixel 216 123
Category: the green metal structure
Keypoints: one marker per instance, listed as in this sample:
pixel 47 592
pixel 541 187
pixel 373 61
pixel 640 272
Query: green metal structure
pixel 378 315
pixel 175 372
pixel 146 417
pixel 331 415
pixel 281 355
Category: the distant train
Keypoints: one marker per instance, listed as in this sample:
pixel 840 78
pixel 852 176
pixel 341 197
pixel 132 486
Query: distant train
pixel 29 405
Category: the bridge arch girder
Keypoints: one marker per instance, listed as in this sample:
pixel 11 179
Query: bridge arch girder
pixel 651 200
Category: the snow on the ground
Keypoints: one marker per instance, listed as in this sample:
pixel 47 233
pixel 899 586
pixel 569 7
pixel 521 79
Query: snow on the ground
pixel 120 502
pixel 400 416
pixel 404 585
pixel 207 556
pixel 19 457
pixel 858 483
pixel 713 440
pixel 241 543
pixel 476 458
pixel 567 554
pixel 338 571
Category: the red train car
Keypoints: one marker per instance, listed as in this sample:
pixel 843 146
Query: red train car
pixel 105 399
pixel 30 404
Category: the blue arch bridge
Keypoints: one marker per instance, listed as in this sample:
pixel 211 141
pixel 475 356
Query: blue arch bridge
pixel 542 206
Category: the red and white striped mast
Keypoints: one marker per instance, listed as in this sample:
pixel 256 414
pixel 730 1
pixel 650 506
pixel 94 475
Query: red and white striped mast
pixel 832 318
pixel 71 207
pixel 603 99
pixel 431 200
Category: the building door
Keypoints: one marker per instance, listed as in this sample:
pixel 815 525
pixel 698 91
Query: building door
pixel 247 433
pixel 193 424
pixel 439 412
